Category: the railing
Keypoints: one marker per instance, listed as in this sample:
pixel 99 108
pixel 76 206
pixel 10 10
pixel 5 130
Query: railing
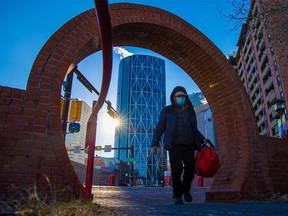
pixel 259 95
pixel 260 108
pixel 268 83
pixel 271 96
pixel 265 71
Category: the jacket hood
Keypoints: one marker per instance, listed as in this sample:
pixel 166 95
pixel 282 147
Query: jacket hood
pixel 180 88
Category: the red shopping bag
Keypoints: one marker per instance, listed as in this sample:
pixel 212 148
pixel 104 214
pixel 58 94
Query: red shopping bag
pixel 207 161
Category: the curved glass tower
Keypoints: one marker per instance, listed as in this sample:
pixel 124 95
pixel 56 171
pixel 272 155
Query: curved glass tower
pixel 141 96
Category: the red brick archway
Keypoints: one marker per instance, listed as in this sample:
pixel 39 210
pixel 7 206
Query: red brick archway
pixel 30 131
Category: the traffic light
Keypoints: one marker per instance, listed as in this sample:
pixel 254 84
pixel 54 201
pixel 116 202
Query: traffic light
pixel 98 148
pixel 112 114
pixel 75 110
pixel 111 111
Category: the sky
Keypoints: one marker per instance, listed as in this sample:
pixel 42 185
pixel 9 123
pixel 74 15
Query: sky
pixel 27 25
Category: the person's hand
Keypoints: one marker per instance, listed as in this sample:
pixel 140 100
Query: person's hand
pixel 204 142
pixel 154 149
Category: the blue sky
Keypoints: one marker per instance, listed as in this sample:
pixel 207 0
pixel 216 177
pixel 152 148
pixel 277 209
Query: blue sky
pixel 27 25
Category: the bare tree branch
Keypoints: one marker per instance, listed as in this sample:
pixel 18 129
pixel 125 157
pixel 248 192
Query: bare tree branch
pixel 238 16
pixel 274 13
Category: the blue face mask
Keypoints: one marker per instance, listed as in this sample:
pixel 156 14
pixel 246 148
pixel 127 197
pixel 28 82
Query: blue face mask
pixel 180 101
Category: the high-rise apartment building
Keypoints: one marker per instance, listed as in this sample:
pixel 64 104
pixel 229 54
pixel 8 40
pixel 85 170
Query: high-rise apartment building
pixel 79 111
pixel 259 63
pixel 205 122
pixel 141 95
pixel 204 115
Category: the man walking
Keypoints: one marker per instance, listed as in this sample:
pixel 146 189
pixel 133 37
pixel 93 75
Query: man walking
pixel 181 139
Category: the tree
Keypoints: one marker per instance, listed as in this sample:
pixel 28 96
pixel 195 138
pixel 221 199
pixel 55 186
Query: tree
pixel 273 13
pixel 238 16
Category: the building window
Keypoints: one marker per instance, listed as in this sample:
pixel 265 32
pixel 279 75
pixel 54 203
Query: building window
pixel 272 50
pixel 278 80
pixel 275 65
pixel 282 95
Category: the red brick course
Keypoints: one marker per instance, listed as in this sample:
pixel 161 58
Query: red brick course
pixel 32 146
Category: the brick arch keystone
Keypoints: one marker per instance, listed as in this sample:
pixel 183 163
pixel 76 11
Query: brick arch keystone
pixel 32 145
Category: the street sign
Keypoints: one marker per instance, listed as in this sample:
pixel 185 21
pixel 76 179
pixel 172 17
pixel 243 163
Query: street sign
pixel 132 159
pixel 77 149
pixel 107 148
pixel 98 148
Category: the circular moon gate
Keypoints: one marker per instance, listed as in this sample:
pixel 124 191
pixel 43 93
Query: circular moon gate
pixel 245 156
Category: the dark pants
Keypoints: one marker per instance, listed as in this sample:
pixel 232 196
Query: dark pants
pixel 182 155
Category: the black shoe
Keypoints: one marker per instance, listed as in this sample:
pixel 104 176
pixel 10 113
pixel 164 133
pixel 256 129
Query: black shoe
pixel 187 196
pixel 178 200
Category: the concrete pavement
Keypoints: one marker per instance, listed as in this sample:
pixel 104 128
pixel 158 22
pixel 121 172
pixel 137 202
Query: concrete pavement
pixel 158 201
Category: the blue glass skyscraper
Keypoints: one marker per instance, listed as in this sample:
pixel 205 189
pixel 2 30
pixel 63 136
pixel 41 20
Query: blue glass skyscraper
pixel 141 95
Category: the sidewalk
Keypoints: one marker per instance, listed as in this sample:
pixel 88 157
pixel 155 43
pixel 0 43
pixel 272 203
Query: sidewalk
pixel 158 201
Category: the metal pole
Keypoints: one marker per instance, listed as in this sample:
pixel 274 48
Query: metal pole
pixel 132 166
pixel 66 105
pixel 157 166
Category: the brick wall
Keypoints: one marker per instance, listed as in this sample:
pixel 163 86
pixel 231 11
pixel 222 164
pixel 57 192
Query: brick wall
pixel 30 153
pixel 32 145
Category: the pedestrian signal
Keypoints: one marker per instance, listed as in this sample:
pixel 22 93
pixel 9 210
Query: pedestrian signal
pixel 74 127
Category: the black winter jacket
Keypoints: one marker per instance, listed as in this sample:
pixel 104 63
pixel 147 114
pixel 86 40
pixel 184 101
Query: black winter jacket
pixel 167 124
